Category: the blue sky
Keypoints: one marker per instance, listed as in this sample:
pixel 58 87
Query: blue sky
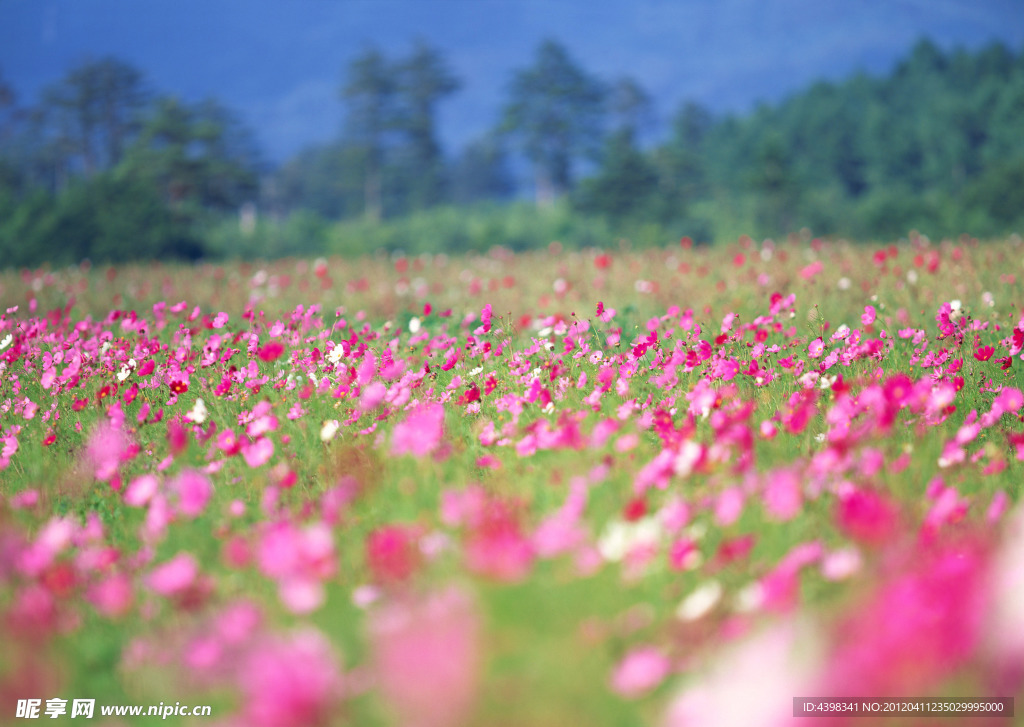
pixel 279 63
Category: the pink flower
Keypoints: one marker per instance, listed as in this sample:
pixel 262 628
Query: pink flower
pixel 867 517
pixel 782 497
pixel 174 576
pixel 194 491
pixel 920 626
pixel 391 553
pixel 141 490
pixel 294 682
pixel 299 560
pixel 743 684
pixel 420 433
pixel 497 547
pixel 816 347
pixel 373 395
pixel 104 450
pixel 640 671
pixel 259 452
pixel 868 317
pixel 112 596
pixel 228 442
pixel 220 320
pixel 426 656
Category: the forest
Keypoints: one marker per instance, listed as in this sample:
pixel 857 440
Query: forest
pixel 104 167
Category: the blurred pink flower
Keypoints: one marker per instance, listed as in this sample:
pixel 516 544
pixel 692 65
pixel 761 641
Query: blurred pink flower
pixel 141 490
pixel 426 657
pixel 294 682
pixel 496 546
pixel 259 452
pixel 420 433
pixel 867 517
pixel 112 596
pixel 193 490
pixel 640 671
pixel 742 685
pixel 372 396
pixel 391 553
pixel 782 496
pixel 174 576
pixel 106 446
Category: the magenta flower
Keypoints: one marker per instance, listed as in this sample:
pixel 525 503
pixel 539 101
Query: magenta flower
pixel 867 517
pixel 984 353
pixel 228 442
pixel 271 351
pixel 815 348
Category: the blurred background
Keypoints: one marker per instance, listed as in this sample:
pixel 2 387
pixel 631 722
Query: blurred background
pixel 266 128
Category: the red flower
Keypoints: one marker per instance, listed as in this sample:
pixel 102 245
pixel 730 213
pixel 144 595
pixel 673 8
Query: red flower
pixel 634 509
pixel 179 386
pixel 470 395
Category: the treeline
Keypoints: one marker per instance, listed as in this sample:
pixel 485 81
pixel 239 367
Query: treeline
pixel 104 168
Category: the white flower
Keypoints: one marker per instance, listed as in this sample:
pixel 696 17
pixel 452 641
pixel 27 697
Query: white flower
pixel 689 454
pixel 335 355
pixel 844 283
pixel 912 276
pixel 620 537
pixel 6 342
pixel 124 373
pixel 414 325
pixel 750 598
pixel 700 602
pixel 198 413
pixel 477 371
pixel 328 430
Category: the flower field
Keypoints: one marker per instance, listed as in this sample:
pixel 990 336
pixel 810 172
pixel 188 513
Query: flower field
pixel 672 487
